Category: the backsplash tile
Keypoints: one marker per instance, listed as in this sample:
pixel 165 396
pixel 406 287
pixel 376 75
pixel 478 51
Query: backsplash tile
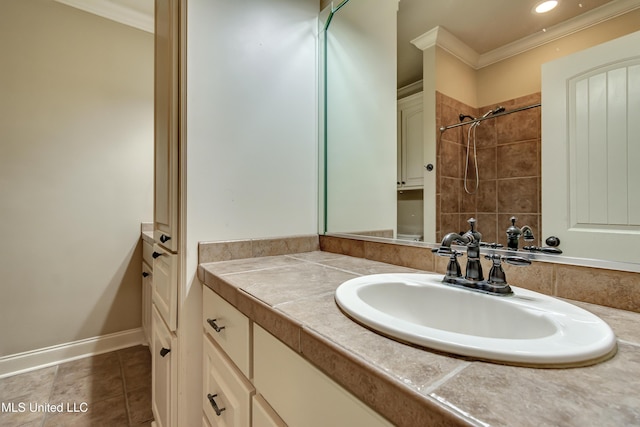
pixel 248 248
pixel 611 288
pixel 618 289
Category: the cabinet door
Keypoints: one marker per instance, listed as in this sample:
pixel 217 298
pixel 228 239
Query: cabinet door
pixel 300 393
pixel 165 285
pixel 226 399
pixel 147 284
pixel 164 373
pixel 228 328
pixel 166 119
pixel 264 415
pixel 411 142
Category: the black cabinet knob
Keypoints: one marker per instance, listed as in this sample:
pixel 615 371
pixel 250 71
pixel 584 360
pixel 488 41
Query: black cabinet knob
pixel 164 351
pixel 145 274
pixel 156 255
pixel 164 238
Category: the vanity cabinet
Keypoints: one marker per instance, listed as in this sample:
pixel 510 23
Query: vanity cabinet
pixel 252 379
pixel 410 143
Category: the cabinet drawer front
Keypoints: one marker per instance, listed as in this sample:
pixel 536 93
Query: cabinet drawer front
pixel 226 399
pixel 147 291
pixel 300 393
pixel 147 250
pixel 165 285
pixel 228 328
pixel 164 372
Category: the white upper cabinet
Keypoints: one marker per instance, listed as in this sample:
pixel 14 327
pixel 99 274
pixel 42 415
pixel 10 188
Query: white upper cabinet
pixel 166 203
pixel 410 142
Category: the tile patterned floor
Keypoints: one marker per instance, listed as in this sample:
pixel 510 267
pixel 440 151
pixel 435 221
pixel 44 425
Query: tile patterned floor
pixel 111 390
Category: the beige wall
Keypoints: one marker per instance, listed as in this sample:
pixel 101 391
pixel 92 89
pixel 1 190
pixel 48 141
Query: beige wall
pixel 455 78
pixel 521 75
pixel 76 154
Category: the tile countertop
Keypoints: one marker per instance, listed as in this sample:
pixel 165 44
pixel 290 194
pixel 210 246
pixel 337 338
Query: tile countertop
pixel 292 296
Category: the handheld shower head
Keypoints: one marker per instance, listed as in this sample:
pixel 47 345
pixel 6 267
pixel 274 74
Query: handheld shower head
pixel 496 110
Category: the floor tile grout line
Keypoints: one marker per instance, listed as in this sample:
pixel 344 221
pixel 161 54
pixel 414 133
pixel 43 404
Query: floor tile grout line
pixel 51 388
pixel 124 388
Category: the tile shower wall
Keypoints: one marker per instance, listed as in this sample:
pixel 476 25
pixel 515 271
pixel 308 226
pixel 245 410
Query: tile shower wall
pixel 508 153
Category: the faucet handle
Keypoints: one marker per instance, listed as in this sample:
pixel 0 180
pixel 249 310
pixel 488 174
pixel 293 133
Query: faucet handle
pixel 492 245
pixel 544 249
pixel 516 260
pixel 473 234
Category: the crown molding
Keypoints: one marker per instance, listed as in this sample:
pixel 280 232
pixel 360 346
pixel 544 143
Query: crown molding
pixel 115 12
pixel 441 37
pixel 447 41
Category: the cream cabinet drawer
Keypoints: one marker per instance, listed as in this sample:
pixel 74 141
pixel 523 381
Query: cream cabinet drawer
pixel 229 328
pixel 165 285
pixel 300 393
pixel 147 250
pixel 226 399
pixel 264 415
pixel 164 372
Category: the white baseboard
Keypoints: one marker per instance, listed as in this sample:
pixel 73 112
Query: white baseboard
pixel 49 356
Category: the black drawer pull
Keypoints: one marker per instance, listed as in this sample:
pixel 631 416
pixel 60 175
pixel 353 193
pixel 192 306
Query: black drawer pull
pixel 164 238
pixel 214 404
pixel 156 255
pixel 213 324
pixel 164 351
pixel 145 274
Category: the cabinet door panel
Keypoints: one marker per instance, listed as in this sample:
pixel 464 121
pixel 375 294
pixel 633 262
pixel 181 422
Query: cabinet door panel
pixel 166 119
pixel 224 389
pixel 147 289
pixel 410 142
pixel 164 373
pixel 165 285
pixel 300 393
pixel 234 337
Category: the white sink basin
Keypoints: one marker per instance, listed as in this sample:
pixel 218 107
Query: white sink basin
pixel 527 328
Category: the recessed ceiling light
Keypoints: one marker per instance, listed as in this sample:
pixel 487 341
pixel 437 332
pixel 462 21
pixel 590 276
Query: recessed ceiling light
pixel 545 6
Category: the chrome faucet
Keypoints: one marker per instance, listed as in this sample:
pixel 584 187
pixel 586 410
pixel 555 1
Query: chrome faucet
pixel 473 279
pixel 514 233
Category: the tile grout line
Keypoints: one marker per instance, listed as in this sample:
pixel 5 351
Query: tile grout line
pixel 53 383
pixel 124 388
pixel 434 386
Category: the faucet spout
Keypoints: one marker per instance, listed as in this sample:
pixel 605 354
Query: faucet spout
pixel 448 240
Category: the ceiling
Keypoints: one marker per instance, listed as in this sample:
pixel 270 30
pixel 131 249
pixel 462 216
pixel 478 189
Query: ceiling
pixel 486 26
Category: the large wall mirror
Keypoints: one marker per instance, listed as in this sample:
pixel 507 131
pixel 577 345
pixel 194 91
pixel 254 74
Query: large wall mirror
pixel 398 71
